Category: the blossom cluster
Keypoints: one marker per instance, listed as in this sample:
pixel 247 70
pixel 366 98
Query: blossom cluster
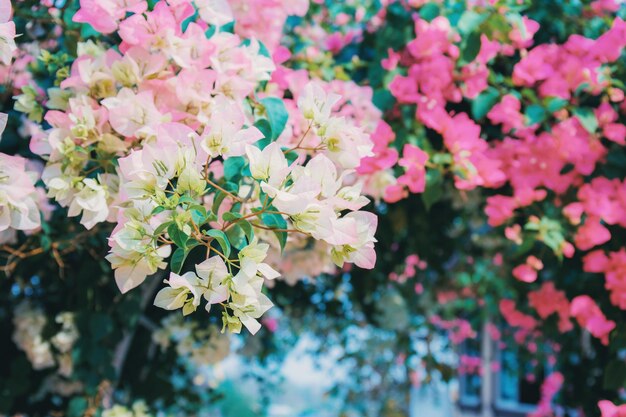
pixel 44 353
pixel 19 199
pixel 540 136
pixel 198 347
pixel 177 137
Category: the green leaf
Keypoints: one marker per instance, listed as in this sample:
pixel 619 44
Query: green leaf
pixel 161 228
pixel 230 28
pixel 77 407
pixel 434 188
pixel 517 20
pixel 198 214
pixel 178 259
pixel 236 236
pixel 262 48
pixel 210 31
pixel 187 199
pixel 471 47
pixel 217 202
pixel 383 99
pixel 614 375
pixel 484 102
pixel 276 221
pixel 177 235
pixel 264 126
pixel 157 210
pixel 100 325
pixel 587 118
pixel 277 115
pixel 429 11
pixel 555 104
pixel 222 239
pixel 87 31
pixel 248 230
pixel 233 167
pixel 535 114
pixel 230 216
pixel 470 20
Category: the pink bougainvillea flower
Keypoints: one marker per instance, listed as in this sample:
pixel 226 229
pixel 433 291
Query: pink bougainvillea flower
pixel 104 15
pixel 589 316
pixel 608 409
pixel 591 234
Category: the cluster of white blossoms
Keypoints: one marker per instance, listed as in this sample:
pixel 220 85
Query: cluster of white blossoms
pixel 174 135
pixel 29 323
pixel 166 185
pixel 199 346
pixel 138 409
pixel 18 196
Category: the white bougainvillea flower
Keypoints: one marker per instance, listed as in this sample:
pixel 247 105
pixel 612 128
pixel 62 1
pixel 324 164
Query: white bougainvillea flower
pixel 316 104
pixel 18 197
pixel 213 272
pixel 4 119
pixel 91 201
pixel 345 144
pixel 226 134
pixel 7 33
pixel 132 114
pixel 268 165
pixel 184 291
pixel 362 252
pixel 215 12
pixel 132 267
pixel 248 310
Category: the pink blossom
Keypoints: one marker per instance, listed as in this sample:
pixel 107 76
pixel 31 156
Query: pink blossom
pixel 589 316
pixel 608 409
pixel 549 388
pixel 500 209
pixel 514 317
pixel 525 273
pixel 547 301
pixel 104 15
pixel 591 234
pixel 507 113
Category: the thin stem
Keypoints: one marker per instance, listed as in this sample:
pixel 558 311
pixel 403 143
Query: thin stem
pixel 279 230
pixel 306 132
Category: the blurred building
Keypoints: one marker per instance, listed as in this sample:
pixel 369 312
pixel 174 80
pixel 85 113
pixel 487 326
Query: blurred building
pixel 504 386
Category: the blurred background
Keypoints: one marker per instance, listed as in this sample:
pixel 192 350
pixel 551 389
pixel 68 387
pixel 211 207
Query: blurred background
pixel 497 177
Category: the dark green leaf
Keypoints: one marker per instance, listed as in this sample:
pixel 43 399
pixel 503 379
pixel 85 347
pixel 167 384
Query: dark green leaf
pixel 233 167
pixel 276 221
pixel 177 235
pixel 158 210
pixel 230 216
pixel 434 188
pixel 535 114
pixel 247 228
pixel 429 11
pixel 161 228
pixel 471 47
pixel 77 407
pixel 178 259
pixel 222 239
pixel 615 375
pixel 555 104
pixel 277 115
pixel 217 202
pixel 236 236
pixel 587 118
pixel 484 102
pixel 198 214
